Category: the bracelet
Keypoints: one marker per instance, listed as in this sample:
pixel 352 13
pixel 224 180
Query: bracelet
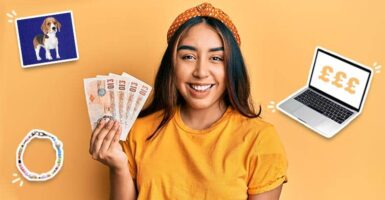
pixel 57 145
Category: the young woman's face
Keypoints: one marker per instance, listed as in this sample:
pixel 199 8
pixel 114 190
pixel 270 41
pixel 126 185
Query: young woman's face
pixel 199 67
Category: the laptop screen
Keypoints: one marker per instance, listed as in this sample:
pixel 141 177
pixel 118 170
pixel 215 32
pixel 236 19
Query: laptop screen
pixel 339 78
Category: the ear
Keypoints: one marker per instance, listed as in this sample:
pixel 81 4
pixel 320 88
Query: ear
pixel 44 27
pixel 58 25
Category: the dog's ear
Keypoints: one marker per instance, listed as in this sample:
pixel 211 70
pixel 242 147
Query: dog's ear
pixel 58 25
pixel 44 27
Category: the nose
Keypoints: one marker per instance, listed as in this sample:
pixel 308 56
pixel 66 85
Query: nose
pixel 54 28
pixel 201 69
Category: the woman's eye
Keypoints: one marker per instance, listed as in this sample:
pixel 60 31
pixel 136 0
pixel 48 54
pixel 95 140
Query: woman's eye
pixel 187 57
pixel 216 58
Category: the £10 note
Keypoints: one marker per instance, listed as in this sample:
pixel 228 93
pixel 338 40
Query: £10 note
pixel 118 97
pixel 98 100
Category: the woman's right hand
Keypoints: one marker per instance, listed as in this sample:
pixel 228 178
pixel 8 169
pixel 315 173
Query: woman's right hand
pixel 105 147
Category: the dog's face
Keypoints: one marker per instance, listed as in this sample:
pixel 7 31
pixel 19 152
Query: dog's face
pixel 50 25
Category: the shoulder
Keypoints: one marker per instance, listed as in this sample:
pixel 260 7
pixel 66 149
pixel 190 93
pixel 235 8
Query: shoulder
pixel 260 133
pixel 145 126
pixel 255 125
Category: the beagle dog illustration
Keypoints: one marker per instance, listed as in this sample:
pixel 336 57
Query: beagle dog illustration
pixel 48 40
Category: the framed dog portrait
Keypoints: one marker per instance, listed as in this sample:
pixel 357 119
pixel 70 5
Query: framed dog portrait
pixel 46 39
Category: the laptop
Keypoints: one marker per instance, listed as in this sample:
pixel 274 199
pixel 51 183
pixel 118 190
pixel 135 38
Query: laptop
pixel 334 95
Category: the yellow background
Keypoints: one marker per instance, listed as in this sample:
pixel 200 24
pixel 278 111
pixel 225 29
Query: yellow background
pixel 278 41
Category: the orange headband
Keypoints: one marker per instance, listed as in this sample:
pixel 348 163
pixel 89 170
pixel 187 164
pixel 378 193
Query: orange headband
pixel 204 9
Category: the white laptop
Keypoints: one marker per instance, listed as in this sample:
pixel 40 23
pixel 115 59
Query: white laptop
pixel 334 95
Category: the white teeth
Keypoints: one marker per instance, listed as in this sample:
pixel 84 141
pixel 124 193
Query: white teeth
pixel 200 87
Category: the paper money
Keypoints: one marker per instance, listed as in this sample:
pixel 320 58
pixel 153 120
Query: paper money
pixel 124 95
pixel 131 99
pixel 122 84
pixel 98 99
pixel 111 89
pixel 144 91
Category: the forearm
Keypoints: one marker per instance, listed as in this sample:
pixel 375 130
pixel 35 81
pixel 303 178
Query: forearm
pixel 122 185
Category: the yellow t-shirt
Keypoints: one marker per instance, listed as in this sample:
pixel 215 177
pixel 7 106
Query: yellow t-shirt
pixel 234 157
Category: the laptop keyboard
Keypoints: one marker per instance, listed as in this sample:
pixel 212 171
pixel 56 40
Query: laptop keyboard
pixel 324 106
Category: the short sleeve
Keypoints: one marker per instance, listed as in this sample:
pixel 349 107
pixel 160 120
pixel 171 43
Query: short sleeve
pixel 129 147
pixel 268 163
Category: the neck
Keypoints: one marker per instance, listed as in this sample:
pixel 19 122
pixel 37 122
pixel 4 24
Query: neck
pixel 202 118
pixel 51 33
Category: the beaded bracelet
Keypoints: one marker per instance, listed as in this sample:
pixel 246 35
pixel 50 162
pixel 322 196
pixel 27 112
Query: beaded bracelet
pixel 57 145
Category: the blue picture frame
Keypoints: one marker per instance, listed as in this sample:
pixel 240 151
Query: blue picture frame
pixel 27 30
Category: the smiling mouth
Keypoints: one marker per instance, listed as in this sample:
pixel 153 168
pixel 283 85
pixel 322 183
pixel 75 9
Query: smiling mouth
pixel 201 87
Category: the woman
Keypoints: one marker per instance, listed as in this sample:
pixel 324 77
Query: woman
pixel 200 137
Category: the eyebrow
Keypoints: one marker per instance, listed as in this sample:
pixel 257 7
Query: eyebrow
pixel 194 49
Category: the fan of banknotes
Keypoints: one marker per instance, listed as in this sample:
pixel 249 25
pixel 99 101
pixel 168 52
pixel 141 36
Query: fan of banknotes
pixel 118 97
